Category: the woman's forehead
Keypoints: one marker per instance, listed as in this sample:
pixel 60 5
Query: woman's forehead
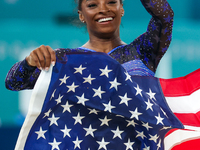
pixel 97 0
pixel 94 0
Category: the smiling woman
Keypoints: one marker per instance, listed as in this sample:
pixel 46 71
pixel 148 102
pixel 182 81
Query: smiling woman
pixel 103 19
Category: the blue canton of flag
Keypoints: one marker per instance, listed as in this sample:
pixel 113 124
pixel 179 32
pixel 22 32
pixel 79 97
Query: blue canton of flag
pixel 92 103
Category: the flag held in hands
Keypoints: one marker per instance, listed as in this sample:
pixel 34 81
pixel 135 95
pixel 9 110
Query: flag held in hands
pixel 92 103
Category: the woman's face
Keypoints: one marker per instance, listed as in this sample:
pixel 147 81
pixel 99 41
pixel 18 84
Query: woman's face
pixel 103 17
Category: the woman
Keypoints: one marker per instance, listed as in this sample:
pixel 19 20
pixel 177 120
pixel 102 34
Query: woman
pixel 141 57
pixel 103 18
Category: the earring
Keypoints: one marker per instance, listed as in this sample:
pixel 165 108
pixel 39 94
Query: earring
pixel 122 15
pixel 83 21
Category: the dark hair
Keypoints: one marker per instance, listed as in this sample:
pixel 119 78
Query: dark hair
pixel 79 2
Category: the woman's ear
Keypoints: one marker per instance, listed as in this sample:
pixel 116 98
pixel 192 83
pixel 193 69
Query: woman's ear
pixel 122 10
pixel 81 17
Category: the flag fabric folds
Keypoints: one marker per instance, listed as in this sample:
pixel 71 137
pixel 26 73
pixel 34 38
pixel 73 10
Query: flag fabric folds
pixel 92 103
pixel 183 97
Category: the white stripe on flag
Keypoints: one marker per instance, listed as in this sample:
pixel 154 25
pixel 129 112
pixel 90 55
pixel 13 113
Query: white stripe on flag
pixel 35 106
pixel 185 104
pixel 179 136
pixel 192 128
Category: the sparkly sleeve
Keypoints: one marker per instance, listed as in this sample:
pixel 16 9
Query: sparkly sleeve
pixel 152 45
pixel 21 76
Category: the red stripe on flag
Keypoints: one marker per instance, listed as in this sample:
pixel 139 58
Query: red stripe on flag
pixel 181 86
pixel 188 145
pixel 189 119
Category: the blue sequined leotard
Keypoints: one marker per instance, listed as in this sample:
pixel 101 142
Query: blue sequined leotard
pixel 140 57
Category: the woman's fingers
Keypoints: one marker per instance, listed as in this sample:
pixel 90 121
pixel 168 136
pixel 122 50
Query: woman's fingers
pixel 42 57
pixel 34 59
pixel 52 54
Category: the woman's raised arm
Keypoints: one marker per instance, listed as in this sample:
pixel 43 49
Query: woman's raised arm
pixel 153 44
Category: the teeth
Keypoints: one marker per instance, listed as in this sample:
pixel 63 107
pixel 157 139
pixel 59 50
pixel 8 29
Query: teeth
pixel 105 19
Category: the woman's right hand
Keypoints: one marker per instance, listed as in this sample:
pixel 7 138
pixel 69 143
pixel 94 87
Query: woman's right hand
pixel 42 57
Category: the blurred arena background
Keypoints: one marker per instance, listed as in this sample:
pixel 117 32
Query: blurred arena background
pixel 25 25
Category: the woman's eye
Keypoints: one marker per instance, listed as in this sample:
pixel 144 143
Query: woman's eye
pixel 112 2
pixel 92 5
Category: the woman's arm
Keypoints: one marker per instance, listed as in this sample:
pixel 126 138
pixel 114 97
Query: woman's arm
pixel 24 74
pixel 21 76
pixel 153 44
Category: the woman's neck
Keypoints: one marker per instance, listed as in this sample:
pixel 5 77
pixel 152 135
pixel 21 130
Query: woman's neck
pixel 103 45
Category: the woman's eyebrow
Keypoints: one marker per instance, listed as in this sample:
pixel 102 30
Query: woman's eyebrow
pixel 88 0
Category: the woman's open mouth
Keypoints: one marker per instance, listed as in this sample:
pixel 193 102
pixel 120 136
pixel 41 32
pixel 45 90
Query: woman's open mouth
pixel 104 20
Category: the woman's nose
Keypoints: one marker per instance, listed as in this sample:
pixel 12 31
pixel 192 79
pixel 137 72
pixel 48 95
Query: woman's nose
pixel 103 8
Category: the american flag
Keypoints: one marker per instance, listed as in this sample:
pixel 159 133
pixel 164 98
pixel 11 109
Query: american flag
pixel 183 97
pixel 92 103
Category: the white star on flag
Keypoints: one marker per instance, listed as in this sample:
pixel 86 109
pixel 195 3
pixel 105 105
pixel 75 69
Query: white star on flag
pixel 132 122
pixel 82 99
pixel 104 121
pixel 154 138
pixel 103 144
pixel 135 114
pixel 66 107
pixel 89 131
pixel 114 84
pixel 149 105
pixel 79 69
pixel 78 119
pixel 146 125
pixel 41 133
pixel 146 148
pixel 53 120
pixel 138 90
pixel 55 144
pixel 117 133
pixel 125 99
pixel 108 107
pixel 164 112
pixel 94 111
pixel 120 116
pixel 151 95
pixel 159 144
pixel 166 128
pixel 128 77
pixel 129 145
pixel 77 143
pixel 72 87
pixel 140 134
pixel 66 131
pixel 53 94
pixel 58 100
pixel 98 92
pixel 63 80
pixel 88 79
pixel 105 72
pixel 159 119
pixel 47 113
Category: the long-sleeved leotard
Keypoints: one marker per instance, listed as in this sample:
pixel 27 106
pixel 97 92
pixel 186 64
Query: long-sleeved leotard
pixel 140 57
pixel 153 44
